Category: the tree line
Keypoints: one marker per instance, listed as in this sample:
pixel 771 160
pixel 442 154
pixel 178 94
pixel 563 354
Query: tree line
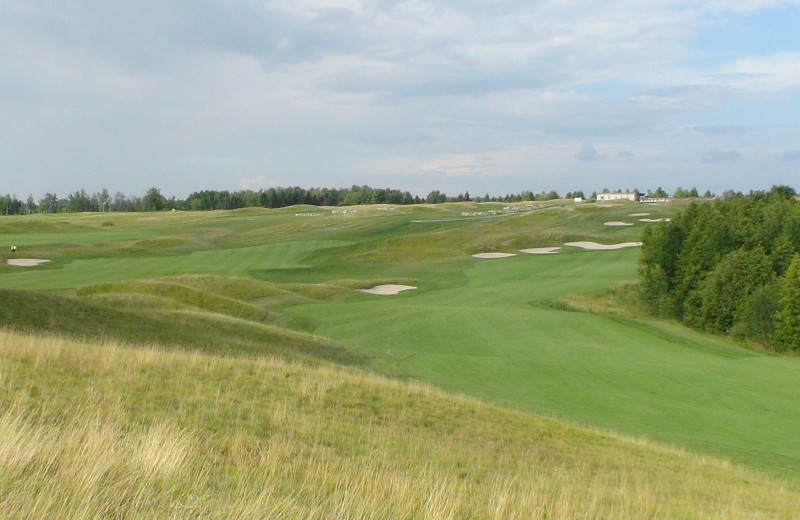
pixel 153 200
pixel 731 267
pixel 280 197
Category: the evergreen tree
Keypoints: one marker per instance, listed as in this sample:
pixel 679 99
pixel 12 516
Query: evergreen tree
pixel 787 325
pixel 756 319
pixel 153 200
pixel 727 288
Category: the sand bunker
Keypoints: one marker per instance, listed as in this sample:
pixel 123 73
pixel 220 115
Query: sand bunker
pixel 540 250
pixel 653 220
pixel 493 255
pixel 594 246
pixel 640 214
pixel 26 262
pixel 388 289
pixel 617 223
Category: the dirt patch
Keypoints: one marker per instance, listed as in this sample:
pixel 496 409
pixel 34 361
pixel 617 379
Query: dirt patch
pixel 594 246
pixel 540 250
pixel 26 262
pixel 389 289
pixel 493 255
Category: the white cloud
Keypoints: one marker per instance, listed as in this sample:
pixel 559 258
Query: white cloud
pixel 590 153
pixel 777 71
pixel 717 130
pixel 715 155
pixel 791 155
pixel 253 183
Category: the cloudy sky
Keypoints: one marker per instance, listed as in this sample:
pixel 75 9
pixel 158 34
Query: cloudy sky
pixel 493 96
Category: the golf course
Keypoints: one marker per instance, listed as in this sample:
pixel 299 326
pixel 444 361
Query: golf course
pixel 457 345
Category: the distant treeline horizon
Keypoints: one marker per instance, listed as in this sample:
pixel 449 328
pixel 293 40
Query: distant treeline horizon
pixel 280 197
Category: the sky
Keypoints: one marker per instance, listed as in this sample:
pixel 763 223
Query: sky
pixel 489 96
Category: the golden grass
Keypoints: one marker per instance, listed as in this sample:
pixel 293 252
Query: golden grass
pixel 105 431
pixel 623 301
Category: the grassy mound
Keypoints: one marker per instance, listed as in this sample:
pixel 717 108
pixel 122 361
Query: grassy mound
pixel 168 314
pixel 101 430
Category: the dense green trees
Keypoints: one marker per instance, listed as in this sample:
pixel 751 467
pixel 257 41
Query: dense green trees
pixel 10 205
pixel 730 266
pixel 787 322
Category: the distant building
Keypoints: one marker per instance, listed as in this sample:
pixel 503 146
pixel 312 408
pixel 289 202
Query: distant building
pixel 605 197
pixel 578 200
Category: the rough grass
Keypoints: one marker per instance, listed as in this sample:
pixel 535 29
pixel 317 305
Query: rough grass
pixel 170 316
pixel 100 430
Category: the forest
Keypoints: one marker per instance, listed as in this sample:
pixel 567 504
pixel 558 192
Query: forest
pixel 731 266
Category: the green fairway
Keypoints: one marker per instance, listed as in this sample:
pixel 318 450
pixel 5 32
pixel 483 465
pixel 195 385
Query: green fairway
pixel 495 337
pixel 233 262
pixel 498 329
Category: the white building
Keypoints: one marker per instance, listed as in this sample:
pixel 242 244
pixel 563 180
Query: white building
pixel 617 196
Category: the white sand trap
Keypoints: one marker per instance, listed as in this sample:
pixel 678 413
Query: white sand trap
pixel 617 223
pixel 26 262
pixel 493 255
pixel 653 220
pixel 594 246
pixel 640 214
pixel 540 250
pixel 389 289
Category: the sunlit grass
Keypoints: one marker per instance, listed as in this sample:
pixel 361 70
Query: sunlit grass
pixel 100 430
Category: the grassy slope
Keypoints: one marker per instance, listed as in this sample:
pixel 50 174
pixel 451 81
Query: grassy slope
pixel 485 328
pixel 99 430
pixel 188 312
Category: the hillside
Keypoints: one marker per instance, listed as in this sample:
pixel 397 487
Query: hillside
pixel 93 430
pixel 534 332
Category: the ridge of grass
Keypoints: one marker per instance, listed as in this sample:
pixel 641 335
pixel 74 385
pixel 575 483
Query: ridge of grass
pixel 158 317
pixel 96 430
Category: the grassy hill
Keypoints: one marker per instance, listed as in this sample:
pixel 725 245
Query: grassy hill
pixel 530 332
pixel 98 430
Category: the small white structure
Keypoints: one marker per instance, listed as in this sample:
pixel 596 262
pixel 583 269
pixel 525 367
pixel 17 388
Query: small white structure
pixel 604 197
pixel 578 200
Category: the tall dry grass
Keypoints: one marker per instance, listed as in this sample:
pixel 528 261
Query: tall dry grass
pixel 103 431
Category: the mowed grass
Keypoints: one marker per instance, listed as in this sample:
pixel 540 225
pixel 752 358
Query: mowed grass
pixel 502 330
pixel 503 336
pixel 233 262
pixel 97 430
